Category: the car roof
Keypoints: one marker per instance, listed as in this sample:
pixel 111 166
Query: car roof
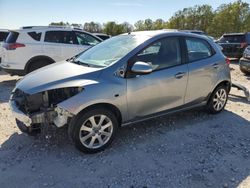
pixel 169 32
pixel 151 33
pixel 4 30
pixel 34 28
pixel 195 31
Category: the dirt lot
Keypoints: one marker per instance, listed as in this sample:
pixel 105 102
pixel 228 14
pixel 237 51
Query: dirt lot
pixel 190 149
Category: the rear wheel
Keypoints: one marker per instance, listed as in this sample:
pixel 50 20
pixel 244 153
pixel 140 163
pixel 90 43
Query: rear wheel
pixel 38 64
pixel 244 71
pixel 218 99
pixel 94 130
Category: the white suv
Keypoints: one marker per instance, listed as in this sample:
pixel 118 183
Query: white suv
pixel 30 48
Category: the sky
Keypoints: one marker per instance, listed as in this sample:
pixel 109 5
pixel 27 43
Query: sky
pixel 18 13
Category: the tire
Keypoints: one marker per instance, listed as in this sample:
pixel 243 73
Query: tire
pixel 218 99
pixel 94 130
pixel 244 71
pixel 37 65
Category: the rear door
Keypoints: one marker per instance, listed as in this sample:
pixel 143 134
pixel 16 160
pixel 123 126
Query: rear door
pixel 203 69
pixel 60 45
pixel 52 47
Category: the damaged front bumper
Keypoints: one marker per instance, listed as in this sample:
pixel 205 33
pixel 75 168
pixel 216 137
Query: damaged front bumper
pixel 26 122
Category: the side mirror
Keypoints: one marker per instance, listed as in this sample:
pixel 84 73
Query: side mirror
pixel 141 68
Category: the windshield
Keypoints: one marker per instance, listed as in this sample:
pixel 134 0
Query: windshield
pixel 110 51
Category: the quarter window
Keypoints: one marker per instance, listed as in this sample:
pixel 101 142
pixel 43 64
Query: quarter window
pixel 162 54
pixel 85 39
pixel 198 49
pixel 36 36
pixel 65 37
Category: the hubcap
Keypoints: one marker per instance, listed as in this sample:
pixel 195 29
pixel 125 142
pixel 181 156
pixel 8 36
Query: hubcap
pixel 219 99
pixel 96 131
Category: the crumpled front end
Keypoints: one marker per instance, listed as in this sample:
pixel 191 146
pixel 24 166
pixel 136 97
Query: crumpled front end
pixel 31 110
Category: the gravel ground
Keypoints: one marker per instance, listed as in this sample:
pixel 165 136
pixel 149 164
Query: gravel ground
pixel 189 149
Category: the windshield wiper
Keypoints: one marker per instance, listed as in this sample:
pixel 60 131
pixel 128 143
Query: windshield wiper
pixel 79 63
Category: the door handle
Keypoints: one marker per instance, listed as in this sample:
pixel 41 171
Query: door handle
pixel 180 75
pixel 215 65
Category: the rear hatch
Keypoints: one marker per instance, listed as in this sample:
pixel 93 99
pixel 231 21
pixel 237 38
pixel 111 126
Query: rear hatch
pixel 3 36
pixel 233 44
pixel 9 47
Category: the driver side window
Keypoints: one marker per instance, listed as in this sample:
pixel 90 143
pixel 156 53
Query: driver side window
pixel 162 54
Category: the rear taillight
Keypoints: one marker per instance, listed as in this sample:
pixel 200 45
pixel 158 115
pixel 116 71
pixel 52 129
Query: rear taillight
pixel 243 45
pixel 228 61
pixel 12 46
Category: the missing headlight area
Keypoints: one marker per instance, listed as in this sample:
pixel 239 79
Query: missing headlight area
pixel 42 107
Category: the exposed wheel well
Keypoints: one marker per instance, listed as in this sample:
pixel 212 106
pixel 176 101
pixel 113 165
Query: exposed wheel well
pixel 111 107
pixel 38 58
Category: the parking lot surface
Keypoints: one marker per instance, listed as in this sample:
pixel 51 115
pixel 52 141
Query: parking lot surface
pixel 189 149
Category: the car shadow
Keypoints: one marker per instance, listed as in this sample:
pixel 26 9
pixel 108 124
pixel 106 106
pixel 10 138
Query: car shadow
pixel 237 98
pixel 192 149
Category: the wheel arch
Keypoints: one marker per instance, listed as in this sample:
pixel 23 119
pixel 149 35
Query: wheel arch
pixel 36 58
pixel 109 106
pixel 226 83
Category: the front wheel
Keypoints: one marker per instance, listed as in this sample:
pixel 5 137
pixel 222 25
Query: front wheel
pixel 94 130
pixel 218 100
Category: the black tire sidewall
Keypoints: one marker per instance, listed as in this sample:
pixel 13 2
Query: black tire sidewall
pixel 210 105
pixel 81 118
pixel 37 65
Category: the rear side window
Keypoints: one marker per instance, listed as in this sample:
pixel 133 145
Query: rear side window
pixel 86 39
pixel 3 35
pixel 12 37
pixel 36 36
pixel 65 37
pixel 233 39
pixel 198 49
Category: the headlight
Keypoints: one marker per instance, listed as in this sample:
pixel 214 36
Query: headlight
pixel 58 95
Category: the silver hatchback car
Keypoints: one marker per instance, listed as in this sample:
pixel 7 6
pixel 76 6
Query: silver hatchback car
pixel 123 80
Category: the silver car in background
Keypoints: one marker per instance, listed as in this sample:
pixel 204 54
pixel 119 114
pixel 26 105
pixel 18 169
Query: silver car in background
pixel 126 79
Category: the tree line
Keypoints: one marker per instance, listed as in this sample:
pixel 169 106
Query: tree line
pixel 227 18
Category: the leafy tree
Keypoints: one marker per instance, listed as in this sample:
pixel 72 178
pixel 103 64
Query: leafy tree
pixel 139 25
pixel 60 23
pixel 127 27
pixel 148 24
pixel 197 17
pixel 93 27
pixel 229 18
pixel 232 17
pixel 159 24
pixel 112 28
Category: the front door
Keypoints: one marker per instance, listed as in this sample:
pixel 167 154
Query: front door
pixel 165 87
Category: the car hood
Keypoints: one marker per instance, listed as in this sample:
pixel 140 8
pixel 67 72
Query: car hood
pixel 59 75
